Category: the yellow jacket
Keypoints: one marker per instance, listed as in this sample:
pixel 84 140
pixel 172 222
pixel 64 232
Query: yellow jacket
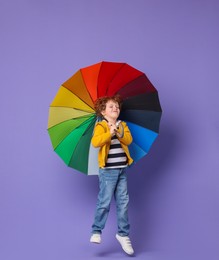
pixel 102 138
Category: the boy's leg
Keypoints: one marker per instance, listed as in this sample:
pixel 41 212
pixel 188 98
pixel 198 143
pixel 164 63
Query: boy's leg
pixel 107 183
pixel 122 200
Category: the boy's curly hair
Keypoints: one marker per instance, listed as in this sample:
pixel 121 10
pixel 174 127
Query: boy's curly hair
pixel 100 103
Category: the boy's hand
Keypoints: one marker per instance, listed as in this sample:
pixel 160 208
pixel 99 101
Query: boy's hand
pixel 113 128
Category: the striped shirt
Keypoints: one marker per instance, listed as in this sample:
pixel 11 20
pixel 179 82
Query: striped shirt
pixel 116 156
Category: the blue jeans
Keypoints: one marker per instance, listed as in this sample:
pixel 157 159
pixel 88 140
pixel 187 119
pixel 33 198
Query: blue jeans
pixel 112 182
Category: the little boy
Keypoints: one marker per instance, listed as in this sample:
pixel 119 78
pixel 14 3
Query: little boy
pixel 112 137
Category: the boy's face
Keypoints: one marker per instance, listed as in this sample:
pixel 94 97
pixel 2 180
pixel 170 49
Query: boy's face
pixel 112 110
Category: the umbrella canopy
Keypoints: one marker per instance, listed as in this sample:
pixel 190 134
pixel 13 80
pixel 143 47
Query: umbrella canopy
pixel 72 117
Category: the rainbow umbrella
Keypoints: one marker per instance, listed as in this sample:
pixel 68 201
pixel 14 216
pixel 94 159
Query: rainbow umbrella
pixel 72 117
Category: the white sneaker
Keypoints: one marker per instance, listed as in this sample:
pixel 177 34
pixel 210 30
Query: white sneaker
pixel 126 244
pixel 95 238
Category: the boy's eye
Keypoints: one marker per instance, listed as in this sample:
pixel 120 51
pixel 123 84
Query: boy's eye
pixel 111 106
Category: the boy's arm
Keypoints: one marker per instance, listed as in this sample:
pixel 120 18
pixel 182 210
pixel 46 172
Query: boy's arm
pixel 100 136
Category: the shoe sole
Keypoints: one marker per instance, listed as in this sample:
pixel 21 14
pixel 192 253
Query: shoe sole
pixel 95 242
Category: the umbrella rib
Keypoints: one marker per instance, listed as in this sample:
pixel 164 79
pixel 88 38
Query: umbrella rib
pixel 139 147
pixel 86 86
pixel 75 129
pixel 88 127
pixel 76 109
pixel 76 118
pixel 91 124
pixel 99 76
pixel 78 96
pixel 133 81
pixel 90 118
pixel 114 76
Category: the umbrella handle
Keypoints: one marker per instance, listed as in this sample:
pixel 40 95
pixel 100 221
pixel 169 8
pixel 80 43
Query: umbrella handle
pixel 120 127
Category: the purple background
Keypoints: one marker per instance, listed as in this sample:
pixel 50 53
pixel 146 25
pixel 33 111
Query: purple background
pixel 46 208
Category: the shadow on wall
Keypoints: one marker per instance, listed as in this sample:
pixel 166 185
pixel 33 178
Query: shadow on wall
pixel 145 179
